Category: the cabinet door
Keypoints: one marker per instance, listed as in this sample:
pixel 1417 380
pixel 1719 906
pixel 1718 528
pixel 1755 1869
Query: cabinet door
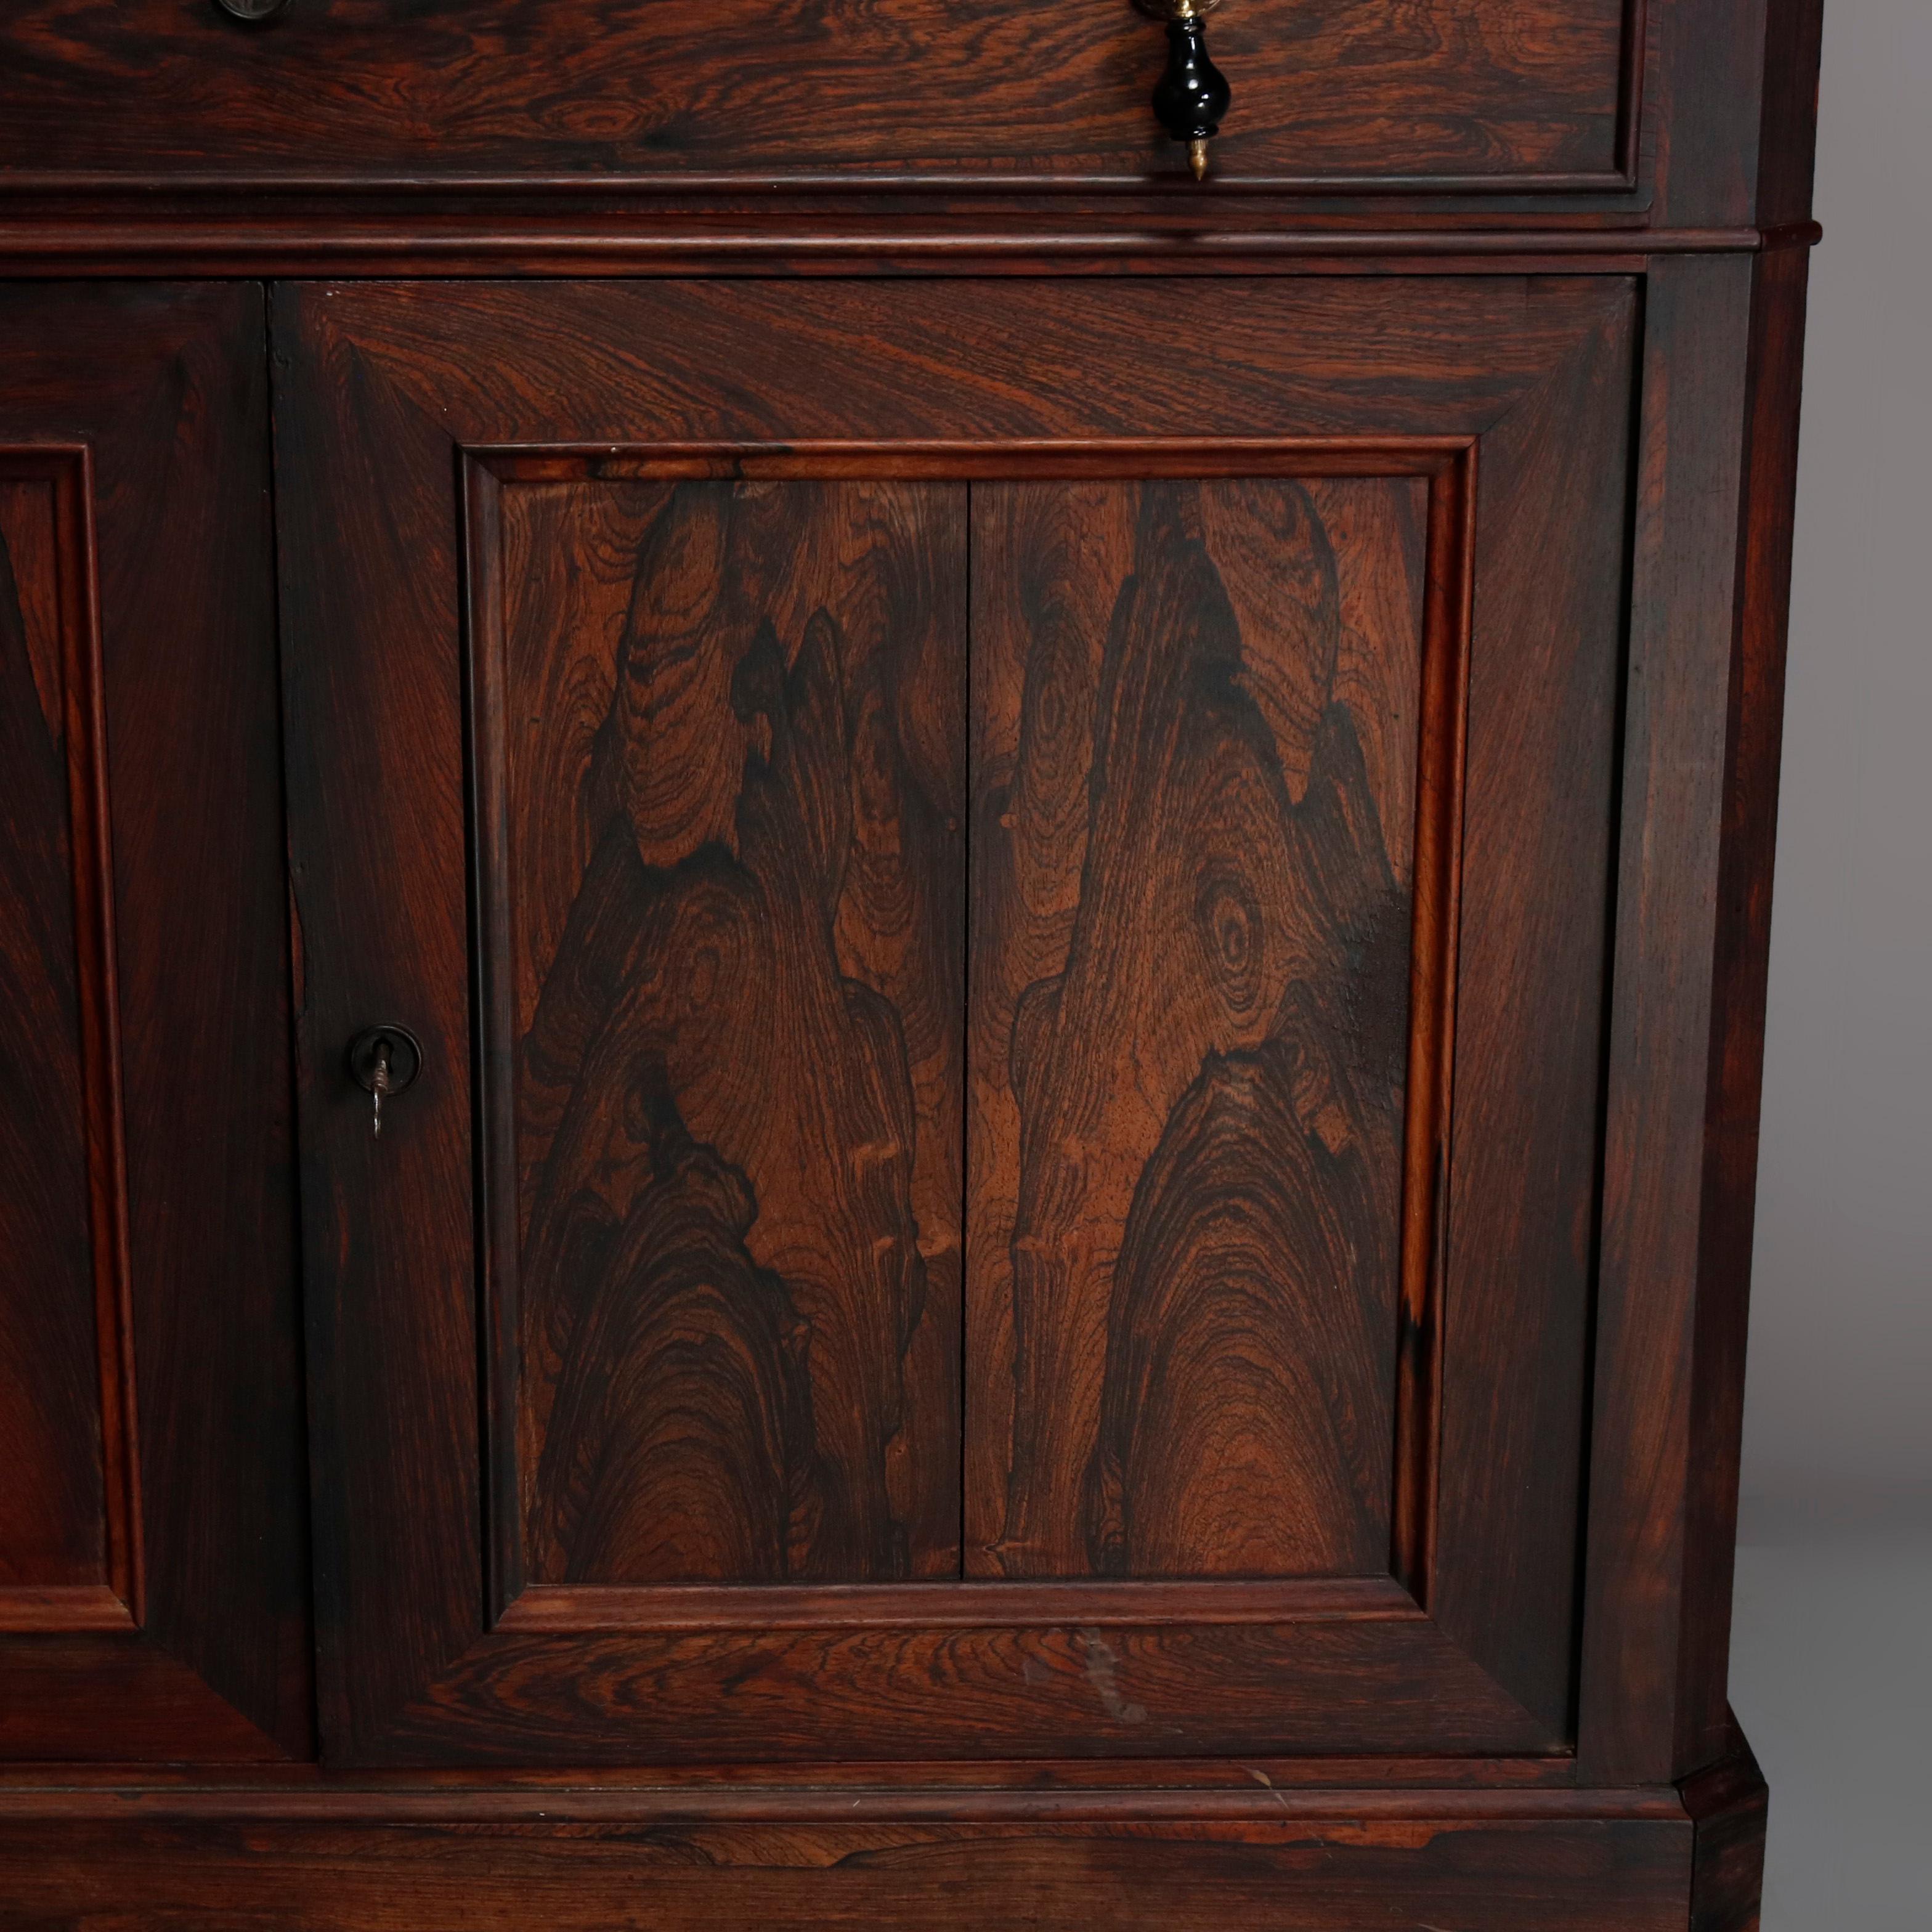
pixel 1006 931
pixel 153 1593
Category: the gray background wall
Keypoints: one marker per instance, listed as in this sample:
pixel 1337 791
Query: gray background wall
pixel 1840 1405
pixel 1830 1668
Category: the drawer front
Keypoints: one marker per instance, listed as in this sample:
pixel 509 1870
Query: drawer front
pixel 1480 94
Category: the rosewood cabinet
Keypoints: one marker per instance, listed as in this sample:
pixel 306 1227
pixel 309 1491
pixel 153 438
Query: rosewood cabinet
pixel 880 1004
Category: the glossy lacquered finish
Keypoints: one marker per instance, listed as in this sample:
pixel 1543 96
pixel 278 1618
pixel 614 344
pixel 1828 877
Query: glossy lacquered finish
pixel 1191 96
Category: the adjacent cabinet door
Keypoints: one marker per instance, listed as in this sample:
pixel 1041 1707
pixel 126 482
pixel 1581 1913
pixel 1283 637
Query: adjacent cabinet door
pixel 153 1589
pixel 996 930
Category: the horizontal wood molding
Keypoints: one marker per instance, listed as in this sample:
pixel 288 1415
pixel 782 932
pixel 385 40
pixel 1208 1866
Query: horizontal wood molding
pixel 957 1606
pixel 707 379
pixel 1160 1854
pixel 1552 1778
pixel 1307 1845
pixel 368 242
pixel 1155 1794
pixel 1136 457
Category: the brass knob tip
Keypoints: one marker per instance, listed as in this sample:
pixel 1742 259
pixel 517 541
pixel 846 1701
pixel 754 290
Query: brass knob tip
pixel 1197 159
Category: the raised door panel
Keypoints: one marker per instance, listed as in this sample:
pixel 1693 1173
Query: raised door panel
pixel 717 731
pixel 1199 737
pixel 152 1583
pixel 1124 756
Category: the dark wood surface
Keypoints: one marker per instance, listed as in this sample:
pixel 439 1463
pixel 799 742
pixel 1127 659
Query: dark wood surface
pixel 1753 725
pixel 1196 711
pixel 1524 1153
pixel 149 1252
pixel 1546 505
pixel 1495 1846
pixel 1490 1875
pixel 160 139
pixel 1684 614
pixel 1244 1786
pixel 1487 92
pixel 64 1388
pixel 329 240
pixel 720 737
pixel 629 386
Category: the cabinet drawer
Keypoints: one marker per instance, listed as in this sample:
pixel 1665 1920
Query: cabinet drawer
pixel 1479 94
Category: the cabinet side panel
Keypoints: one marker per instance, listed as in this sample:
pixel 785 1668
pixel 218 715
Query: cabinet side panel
pixel 1545 676
pixel 1649 1534
pixel 1753 728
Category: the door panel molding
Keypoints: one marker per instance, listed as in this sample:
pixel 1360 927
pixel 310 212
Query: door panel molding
pixel 50 635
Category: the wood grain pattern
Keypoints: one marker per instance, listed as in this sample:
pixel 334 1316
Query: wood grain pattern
pixel 1466 136
pixel 1533 983
pixel 1343 1681
pixel 1501 92
pixel 1091 1787
pixel 66 1510
pixel 1049 388
pixel 969 1605
pixel 728 719
pixel 1710 139
pixel 164 389
pixel 1430 1864
pixel 1196 711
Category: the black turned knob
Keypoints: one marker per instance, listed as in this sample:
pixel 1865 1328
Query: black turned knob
pixel 1192 96
pixel 252 9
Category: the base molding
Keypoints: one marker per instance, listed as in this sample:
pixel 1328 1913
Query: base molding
pixel 1728 1806
pixel 476 1856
